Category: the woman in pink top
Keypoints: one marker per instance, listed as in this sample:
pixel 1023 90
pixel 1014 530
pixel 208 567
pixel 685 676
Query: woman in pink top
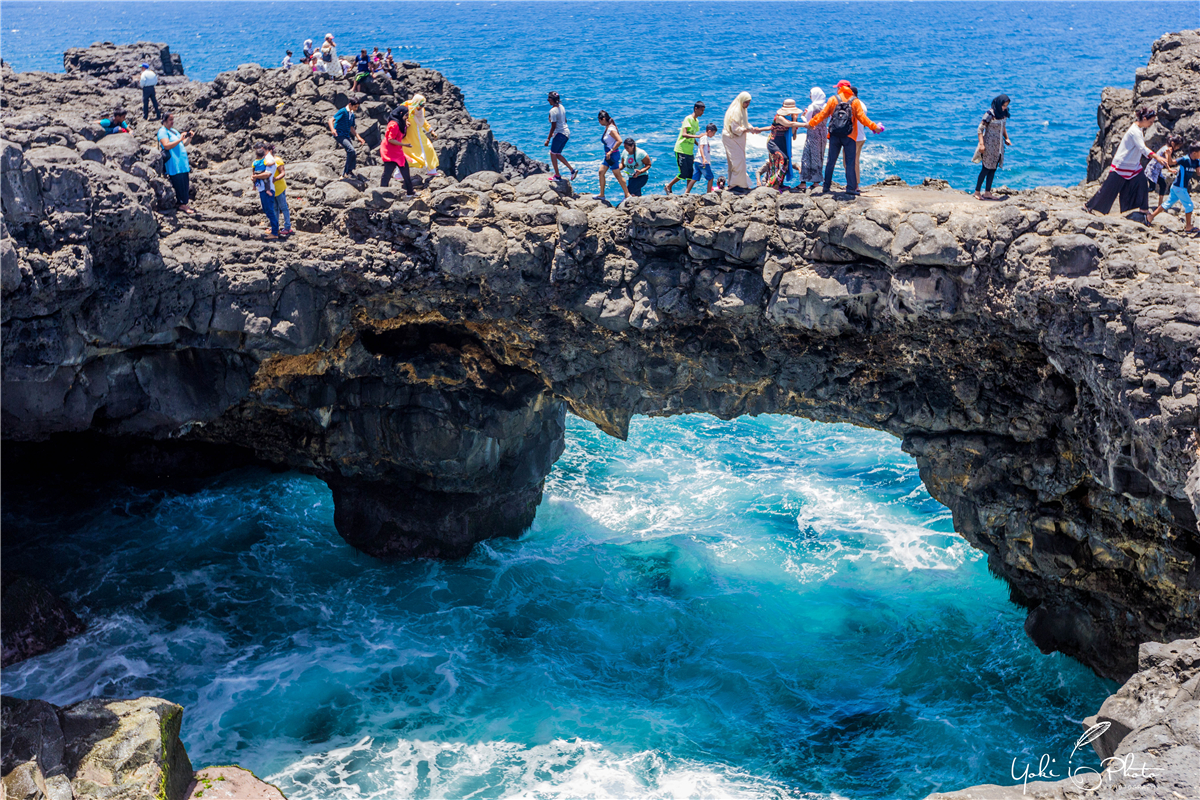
pixel 391 149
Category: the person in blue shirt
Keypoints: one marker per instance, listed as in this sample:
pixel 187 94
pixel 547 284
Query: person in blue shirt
pixel 1188 165
pixel 175 160
pixel 264 183
pixel 115 122
pixel 341 125
pixel 362 69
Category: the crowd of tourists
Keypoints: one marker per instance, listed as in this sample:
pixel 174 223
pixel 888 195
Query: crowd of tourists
pixel 836 128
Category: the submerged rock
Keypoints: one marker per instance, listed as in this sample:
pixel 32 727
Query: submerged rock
pixel 32 619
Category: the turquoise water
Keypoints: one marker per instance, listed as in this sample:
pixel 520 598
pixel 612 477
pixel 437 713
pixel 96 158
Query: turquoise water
pixel 762 608
pixel 927 70
pixel 759 608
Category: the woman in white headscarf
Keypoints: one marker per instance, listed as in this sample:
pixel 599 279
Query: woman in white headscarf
pixel 812 160
pixel 733 137
pixel 418 144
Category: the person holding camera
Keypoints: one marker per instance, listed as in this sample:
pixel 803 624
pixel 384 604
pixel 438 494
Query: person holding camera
pixel 175 159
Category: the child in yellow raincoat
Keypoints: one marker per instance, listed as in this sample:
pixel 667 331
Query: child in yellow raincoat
pixel 418 148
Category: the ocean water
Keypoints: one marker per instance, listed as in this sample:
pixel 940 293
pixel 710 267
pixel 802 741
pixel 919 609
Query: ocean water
pixel 927 70
pixel 760 608
pixel 763 608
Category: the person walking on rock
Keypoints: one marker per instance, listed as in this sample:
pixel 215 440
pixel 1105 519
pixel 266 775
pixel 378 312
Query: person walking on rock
pixel 175 160
pixel 993 137
pixel 1125 179
pixel 610 140
pixel 703 166
pixel 733 137
pixel 812 160
pixel 263 175
pixel 557 138
pixel 637 168
pixel 281 204
pixel 342 126
pixel 148 81
pixel 685 147
pixel 418 139
pixel 391 149
pixel 845 113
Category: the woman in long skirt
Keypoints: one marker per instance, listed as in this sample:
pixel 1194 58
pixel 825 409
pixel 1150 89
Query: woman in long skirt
pixel 1125 178
pixel 812 160
pixel 733 137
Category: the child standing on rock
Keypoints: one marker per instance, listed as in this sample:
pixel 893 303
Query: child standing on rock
pixel 1188 165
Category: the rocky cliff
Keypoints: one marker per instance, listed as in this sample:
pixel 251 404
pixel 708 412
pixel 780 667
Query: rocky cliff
pixel 1170 83
pixel 1147 736
pixel 419 354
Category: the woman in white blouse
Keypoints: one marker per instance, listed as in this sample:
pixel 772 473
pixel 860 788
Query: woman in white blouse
pixel 1124 178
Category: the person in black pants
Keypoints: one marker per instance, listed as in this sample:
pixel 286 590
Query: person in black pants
pixel 148 81
pixel 845 113
pixel 341 125
pixel 391 149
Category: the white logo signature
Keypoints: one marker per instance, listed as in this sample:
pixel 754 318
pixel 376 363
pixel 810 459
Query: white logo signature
pixel 1084 777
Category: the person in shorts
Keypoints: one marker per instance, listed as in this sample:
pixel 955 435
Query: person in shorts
pixel 702 168
pixel 685 146
pixel 362 69
pixel 557 138
pixel 1188 166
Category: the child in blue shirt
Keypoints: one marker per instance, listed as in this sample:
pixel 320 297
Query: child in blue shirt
pixel 1188 165
pixel 115 123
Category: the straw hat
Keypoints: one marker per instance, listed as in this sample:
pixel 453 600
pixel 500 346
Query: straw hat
pixel 787 109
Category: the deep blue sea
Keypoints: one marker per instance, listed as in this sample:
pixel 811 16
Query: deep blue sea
pixel 767 608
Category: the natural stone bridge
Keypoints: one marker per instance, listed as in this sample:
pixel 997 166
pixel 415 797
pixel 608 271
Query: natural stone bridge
pixel 419 354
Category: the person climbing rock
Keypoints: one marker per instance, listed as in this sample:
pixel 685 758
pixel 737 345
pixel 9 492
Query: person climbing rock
pixel 342 126
pixel 391 149
pixel 637 167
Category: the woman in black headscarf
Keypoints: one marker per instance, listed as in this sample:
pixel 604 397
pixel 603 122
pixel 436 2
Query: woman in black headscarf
pixel 993 136
pixel 391 149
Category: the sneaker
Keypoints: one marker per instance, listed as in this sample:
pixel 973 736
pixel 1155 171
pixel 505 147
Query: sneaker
pixel 555 177
pixel 287 232
pixel 574 174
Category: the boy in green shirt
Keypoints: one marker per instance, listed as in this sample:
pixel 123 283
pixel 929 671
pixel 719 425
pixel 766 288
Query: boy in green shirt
pixel 685 146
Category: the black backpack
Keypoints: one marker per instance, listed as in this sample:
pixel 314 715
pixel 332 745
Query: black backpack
pixel 841 122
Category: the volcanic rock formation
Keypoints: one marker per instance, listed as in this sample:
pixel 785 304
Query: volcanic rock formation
pixel 419 354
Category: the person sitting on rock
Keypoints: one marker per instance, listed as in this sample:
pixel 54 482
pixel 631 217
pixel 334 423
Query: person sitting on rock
pixel 115 122
pixel 362 69
pixel 389 64
pixel 341 125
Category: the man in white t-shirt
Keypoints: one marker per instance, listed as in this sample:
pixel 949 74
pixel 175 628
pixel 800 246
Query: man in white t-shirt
pixel 148 81
pixel 556 139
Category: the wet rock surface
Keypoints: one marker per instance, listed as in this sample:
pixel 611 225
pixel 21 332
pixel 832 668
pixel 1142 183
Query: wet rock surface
pixel 1148 743
pixel 32 619
pixel 419 353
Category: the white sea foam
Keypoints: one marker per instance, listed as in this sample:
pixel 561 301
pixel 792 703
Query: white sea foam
pixel 371 770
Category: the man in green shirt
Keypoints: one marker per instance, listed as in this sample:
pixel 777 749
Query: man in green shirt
pixel 685 146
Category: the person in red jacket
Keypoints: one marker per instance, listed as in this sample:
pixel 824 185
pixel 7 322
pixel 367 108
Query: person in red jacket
pixel 845 113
